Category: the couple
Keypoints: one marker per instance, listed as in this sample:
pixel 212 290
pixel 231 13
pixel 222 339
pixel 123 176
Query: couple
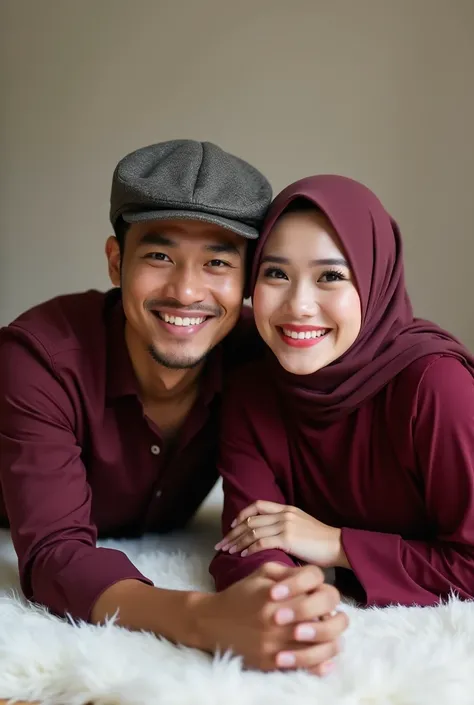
pixel 345 440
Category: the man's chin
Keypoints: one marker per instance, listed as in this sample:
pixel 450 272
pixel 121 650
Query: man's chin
pixel 174 361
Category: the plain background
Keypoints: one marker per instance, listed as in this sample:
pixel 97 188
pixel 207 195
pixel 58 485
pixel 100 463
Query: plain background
pixel 379 90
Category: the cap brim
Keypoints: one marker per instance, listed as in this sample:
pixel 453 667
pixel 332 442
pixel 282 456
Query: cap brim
pixel 235 226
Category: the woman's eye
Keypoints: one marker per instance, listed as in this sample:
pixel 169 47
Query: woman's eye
pixel 332 276
pixel 274 273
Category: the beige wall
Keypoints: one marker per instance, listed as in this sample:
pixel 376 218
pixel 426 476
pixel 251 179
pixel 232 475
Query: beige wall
pixel 380 90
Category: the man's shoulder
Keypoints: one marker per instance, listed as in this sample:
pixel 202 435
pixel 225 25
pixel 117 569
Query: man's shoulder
pixel 63 323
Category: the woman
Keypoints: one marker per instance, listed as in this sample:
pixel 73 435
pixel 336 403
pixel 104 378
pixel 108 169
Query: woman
pixel 352 445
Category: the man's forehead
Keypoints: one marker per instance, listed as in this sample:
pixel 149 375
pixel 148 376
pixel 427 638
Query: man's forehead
pixel 180 232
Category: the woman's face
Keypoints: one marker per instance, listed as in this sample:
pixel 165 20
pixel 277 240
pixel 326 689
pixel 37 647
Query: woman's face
pixel 306 304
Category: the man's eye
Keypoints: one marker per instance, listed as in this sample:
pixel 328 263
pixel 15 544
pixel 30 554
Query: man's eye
pixel 218 263
pixel 158 257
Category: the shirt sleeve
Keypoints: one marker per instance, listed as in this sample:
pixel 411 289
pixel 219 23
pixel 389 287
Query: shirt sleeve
pixel 393 570
pixel 247 477
pixel 45 488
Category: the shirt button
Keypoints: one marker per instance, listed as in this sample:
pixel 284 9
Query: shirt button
pixel 155 450
pixel 159 493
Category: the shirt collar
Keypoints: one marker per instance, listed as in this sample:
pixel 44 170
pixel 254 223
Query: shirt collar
pixel 121 378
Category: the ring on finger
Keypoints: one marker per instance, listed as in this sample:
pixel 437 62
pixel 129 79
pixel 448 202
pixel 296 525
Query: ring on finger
pixel 254 533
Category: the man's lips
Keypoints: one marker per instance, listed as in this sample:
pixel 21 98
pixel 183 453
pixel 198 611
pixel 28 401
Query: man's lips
pixel 185 318
pixel 181 324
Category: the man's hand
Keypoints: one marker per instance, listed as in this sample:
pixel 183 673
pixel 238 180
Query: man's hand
pixel 265 525
pixel 278 617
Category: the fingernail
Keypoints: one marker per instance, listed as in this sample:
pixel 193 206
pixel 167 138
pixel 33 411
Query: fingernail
pixel 328 667
pixel 286 658
pixel 284 616
pixel 244 553
pixel 234 524
pixel 305 631
pixel 279 592
pixel 224 547
pixel 232 549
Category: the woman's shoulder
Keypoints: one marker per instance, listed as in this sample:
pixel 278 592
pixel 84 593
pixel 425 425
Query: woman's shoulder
pixel 432 378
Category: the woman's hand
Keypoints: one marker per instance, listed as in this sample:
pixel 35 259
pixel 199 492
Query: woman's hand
pixel 265 525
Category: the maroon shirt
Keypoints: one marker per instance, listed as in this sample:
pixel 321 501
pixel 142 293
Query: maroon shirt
pixel 397 476
pixel 78 457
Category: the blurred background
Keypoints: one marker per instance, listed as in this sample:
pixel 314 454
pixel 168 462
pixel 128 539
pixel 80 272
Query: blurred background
pixel 379 90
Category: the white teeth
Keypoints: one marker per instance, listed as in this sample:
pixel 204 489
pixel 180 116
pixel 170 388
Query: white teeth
pixel 178 321
pixel 306 335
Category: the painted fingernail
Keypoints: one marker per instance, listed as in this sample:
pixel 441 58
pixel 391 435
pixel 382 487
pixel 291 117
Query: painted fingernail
pixel 234 524
pixel 286 658
pixel 305 631
pixel 279 592
pixel 284 616
pixel 244 553
pixel 328 667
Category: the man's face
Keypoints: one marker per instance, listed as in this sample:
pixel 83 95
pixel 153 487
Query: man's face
pixel 182 286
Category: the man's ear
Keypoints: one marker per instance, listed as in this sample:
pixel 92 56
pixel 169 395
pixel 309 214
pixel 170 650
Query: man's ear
pixel 112 252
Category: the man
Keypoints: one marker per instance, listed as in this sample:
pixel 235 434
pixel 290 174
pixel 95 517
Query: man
pixel 109 410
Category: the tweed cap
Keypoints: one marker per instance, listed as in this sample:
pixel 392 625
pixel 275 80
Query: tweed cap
pixel 191 180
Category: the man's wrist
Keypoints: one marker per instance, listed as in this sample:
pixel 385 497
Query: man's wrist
pixel 198 606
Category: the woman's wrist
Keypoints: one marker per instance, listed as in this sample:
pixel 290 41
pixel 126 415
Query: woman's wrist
pixel 341 558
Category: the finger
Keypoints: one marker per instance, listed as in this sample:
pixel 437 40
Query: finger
pixel 275 571
pixel 308 658
pixel 253 537
pixel 261 506
pixel 230 538
pixel 323 669
pixel 233 536
pixel 320 632
pixel 309 607
pixel 299 581
pixel 264 544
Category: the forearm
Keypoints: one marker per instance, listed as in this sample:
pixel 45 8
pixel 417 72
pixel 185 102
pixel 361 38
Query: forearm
pixel 394 571
pixel 172 614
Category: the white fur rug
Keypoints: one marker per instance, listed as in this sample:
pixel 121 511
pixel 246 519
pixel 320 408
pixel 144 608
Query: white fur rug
pixel 396 656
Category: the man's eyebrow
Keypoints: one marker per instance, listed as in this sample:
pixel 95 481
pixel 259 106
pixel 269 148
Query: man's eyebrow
pixel 223 248
pixel 152 238
pixel 335 261
pixel 157 239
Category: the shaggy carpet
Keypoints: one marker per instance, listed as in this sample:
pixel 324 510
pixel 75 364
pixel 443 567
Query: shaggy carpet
pixel 394 656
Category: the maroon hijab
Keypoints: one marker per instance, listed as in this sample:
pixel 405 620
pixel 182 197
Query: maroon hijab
pixel 390 338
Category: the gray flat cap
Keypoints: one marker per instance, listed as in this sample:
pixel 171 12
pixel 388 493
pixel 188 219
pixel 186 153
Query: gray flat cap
pixel 190 180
